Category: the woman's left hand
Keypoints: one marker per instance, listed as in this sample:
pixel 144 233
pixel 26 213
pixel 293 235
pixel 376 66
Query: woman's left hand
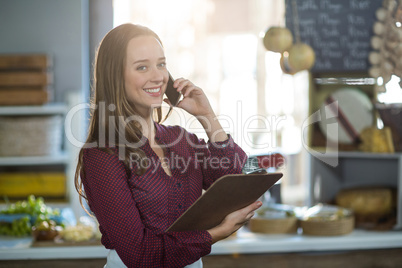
pixel 194 99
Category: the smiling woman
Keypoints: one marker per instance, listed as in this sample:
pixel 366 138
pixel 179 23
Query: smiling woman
pixel 129 169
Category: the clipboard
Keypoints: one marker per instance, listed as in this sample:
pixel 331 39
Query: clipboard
pixel 225 195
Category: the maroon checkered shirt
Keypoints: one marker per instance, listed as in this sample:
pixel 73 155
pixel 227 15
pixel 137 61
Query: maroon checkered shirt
pixel 134 211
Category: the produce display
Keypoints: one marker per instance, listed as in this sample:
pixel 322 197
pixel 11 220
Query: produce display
pixel 77 233
pixel 18 227
pixel 45 230
pixel 19 218
pixel 32 217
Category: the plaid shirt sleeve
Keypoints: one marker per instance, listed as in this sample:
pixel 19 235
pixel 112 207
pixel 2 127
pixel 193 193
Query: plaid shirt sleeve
pixel 217 158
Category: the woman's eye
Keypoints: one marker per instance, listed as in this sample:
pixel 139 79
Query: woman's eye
pixel 162 64
pixel 141 68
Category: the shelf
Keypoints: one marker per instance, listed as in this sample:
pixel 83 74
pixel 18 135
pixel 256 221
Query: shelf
pixel 356 154
pixel 48 253
pixel 252 243
pixel 345 81
pixel 61 158
pixel 352 170
pixel 48 109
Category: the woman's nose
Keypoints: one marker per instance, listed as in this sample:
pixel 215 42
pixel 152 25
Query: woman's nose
pixel 158 75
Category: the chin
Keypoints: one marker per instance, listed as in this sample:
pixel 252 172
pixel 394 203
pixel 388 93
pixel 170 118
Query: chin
pixel 156 104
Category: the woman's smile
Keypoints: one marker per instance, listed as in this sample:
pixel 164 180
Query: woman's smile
pixel 154 92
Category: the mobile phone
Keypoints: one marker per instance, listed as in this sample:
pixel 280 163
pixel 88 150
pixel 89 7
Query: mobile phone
pixel 171 92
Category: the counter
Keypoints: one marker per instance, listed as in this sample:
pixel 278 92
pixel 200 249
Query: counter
pixel 244 243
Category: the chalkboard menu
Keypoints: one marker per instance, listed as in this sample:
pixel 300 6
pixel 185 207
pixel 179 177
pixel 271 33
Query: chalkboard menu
pixel 339 31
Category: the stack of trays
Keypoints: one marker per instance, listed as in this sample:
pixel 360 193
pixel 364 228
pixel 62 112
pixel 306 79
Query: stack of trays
pixel 25 79
pixel 327 220
pixel 274 226
pixel 319 220
pixel 274 219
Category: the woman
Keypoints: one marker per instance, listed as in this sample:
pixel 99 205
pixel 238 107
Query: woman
pixel 139 176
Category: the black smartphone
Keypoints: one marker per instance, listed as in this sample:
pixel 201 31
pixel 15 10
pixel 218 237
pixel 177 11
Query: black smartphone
pixel 171 92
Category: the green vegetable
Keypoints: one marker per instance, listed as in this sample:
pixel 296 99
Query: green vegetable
pixel 33 206
pixel 19 227
pixel 35 209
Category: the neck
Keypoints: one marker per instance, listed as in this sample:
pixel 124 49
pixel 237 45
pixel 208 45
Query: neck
pixel 146 121
pixel 149 129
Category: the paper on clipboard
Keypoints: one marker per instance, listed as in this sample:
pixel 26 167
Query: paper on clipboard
pixel 227 194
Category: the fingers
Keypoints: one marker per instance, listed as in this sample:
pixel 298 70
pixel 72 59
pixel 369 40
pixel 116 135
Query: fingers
pixel 243 215
pixel 233 221
pixel 184 86
pixel 245 220
pixel 179 83
pixel 253 206
pixel 250 210
pixel 250 215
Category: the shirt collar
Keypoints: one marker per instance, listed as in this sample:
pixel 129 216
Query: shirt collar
pixel 158 131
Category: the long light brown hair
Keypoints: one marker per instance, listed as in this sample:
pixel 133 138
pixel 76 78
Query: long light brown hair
pixel 108 91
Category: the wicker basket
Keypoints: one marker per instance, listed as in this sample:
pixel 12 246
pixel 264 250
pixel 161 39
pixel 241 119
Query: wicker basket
pixel 274 226
pixel 328 227
pixel 30 135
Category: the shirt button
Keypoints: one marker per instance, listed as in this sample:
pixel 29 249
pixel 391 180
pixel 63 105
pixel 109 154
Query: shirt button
pixel 178 185
pixel 179 206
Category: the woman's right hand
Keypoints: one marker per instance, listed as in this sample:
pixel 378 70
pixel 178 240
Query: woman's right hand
pixel 233 221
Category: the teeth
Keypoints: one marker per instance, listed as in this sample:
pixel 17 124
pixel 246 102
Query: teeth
pixel 153 90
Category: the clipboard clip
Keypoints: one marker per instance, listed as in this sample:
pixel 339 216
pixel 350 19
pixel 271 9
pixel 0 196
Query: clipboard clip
pixel 260 163
pixel 255 171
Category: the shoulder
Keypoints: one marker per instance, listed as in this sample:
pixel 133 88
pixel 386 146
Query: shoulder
pixel 102 162
pixel 100 155
pixel 98 151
